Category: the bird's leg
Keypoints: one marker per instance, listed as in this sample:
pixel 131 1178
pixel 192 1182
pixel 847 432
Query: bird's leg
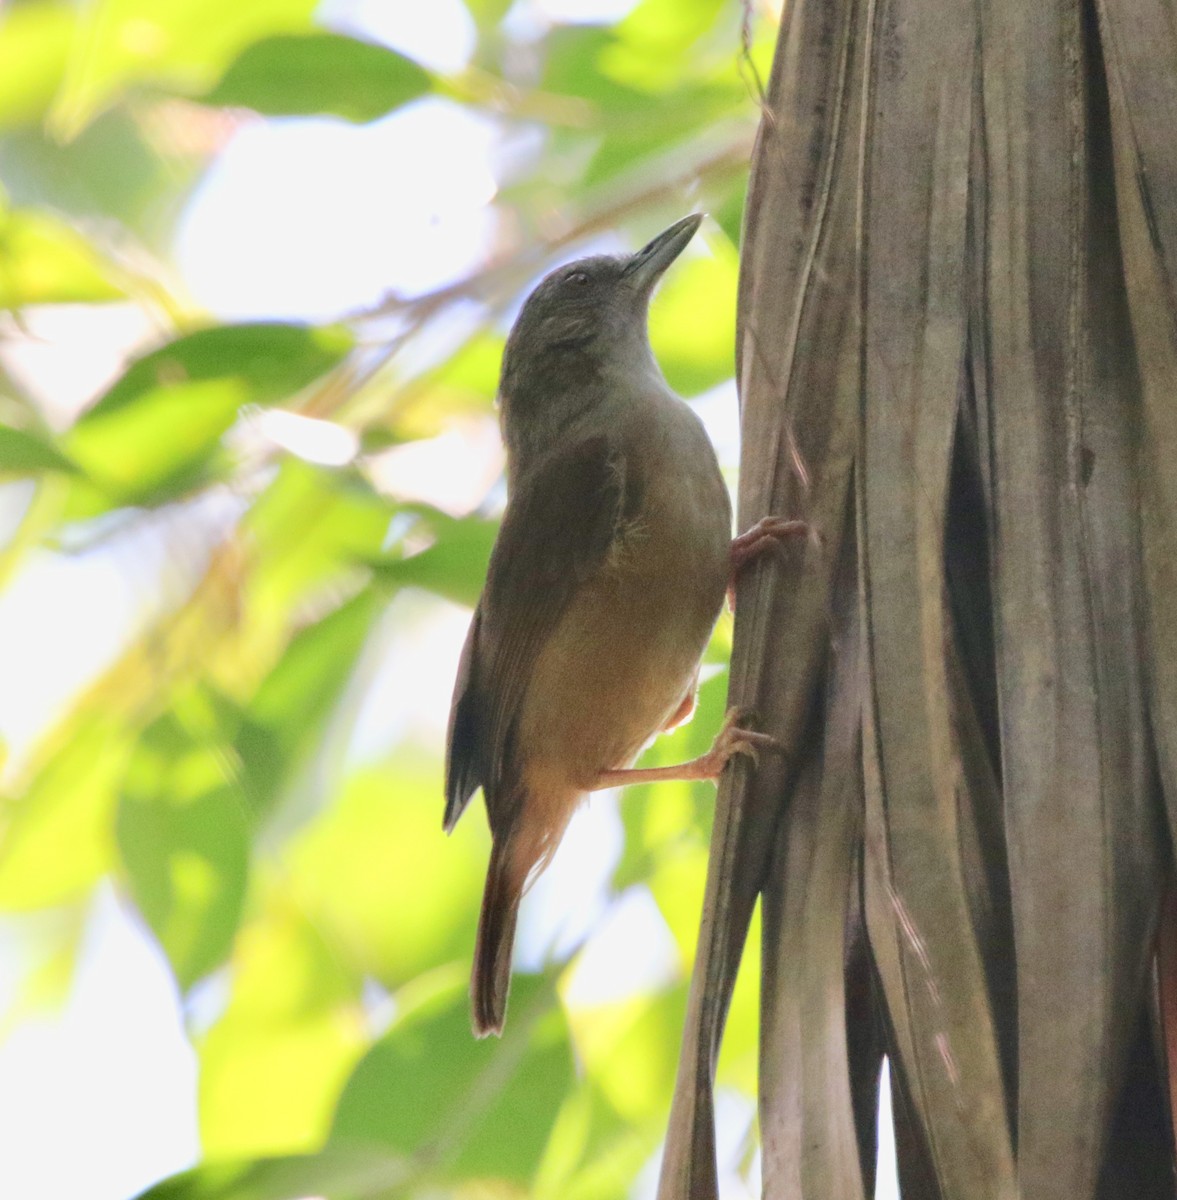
pixel 686 708
pixel 732 739
pixel 766 534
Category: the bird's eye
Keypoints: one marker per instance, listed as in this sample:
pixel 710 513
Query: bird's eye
pixel 578 277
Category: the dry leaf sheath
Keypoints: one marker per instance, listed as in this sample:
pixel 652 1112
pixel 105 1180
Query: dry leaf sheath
pixel 958 309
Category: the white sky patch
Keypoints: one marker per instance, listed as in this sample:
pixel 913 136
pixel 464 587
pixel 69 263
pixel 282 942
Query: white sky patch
pixel 409 676
pixel 111 1075
pixel 315 218
pixel 887 1180
pixel 440 35
pixel 68 354
pixel 631 952
pixel 15 497
pixel 453 471
pixel 734 1113
pixel 566 904
pixel 64 618
pixel 582 11
pixel 719 410
pixel 311 439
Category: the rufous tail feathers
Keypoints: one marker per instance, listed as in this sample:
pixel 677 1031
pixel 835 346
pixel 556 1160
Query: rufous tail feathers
pixel 505 881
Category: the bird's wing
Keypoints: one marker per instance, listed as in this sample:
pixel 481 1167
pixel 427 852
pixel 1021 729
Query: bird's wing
pixel 560 523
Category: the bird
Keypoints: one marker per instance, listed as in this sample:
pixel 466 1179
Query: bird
pixel 604 584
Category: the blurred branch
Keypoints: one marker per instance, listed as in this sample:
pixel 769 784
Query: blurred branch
pixel 500 96
pixel 496 284
pixel 653 187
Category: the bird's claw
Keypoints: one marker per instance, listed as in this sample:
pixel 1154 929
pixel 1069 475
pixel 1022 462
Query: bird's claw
pixel 735 738
pixel 767 534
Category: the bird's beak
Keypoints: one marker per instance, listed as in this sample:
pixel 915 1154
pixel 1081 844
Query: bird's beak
pixel 645 268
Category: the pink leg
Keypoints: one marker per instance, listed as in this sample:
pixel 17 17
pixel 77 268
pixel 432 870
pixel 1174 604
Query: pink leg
pixel 766 534
pixel 732 739
pixel 685 710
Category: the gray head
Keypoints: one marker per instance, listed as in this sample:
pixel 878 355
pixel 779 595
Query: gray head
pixel 580 317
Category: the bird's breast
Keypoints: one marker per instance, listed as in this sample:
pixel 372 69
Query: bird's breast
pixel 626 650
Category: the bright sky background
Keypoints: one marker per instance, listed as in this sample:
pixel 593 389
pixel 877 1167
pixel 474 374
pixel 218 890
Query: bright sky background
pixel 297 219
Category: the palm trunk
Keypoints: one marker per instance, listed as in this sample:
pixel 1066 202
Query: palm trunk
pixel 958 359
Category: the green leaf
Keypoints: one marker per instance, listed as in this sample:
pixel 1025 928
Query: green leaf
pixel 57 839
pixel 157 429
pixel 302 688
pixel 57 831
pixel 26 453
pixel 474 369
pixel 693 322
pixel 488 13
pixel 34 48
pixel 154 451
pixel 272 1066
pixel 729 213
pixel 354 1172
pixel 454 565
pixel 630 1048
pixel 481 1109
pixel 271 360
pixel 465 383
pixel 311 527
pixel 282 724
pixel 181 829
pixel 380 850
pixel 183 45
pixel 593 1153
pixel 320 73
pixel 112 169
pixel 658 40
pixel 44 261
pixel 573 69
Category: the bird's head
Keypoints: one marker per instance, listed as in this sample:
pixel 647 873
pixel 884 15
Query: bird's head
pixel 591 310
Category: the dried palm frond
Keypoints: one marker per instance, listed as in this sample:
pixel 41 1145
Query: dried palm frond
pixel 958 360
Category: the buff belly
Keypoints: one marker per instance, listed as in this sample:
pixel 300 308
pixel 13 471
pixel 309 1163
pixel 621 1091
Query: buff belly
pixel 616 668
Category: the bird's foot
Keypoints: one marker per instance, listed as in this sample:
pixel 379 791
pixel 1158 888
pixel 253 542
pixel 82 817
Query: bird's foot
pixel 767 534
pixel 733 739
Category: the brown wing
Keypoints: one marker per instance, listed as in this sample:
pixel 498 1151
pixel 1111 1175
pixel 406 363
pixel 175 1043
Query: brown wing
pixel 560 523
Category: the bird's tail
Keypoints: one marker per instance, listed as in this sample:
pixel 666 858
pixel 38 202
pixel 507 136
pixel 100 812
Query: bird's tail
pixel 506 879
